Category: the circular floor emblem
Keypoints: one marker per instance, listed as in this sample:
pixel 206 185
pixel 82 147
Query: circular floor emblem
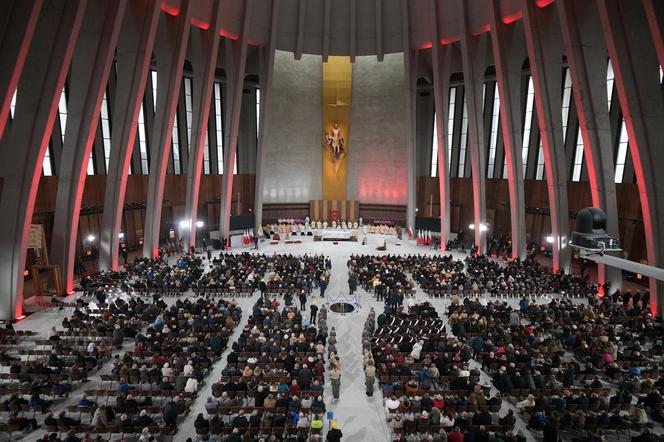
pixel 342 307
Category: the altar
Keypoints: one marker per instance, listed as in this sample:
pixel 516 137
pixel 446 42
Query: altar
pixel 335 235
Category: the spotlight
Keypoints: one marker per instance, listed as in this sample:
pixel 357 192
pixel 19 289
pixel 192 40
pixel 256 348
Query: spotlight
pixel 483 227
pixel 549 239
pixel 121 235
pixel 184 224
pixel 199 224
pixel 91 238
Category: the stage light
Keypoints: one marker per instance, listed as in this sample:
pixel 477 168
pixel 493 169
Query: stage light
pixel 549 239
pixel 91 238
pixel 199 224
pixel 121 235
pixel 483 227
pixel 184 224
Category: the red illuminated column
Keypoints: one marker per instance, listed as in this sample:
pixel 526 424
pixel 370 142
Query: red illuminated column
pixel 204 50
pixel 90 68
pixel 133 54
pixel 235 58
pixel 171 50
pixel 508 54
pixel 24 145
pixel 411 58
pixel 474 51
pixel 265 71
pixel 18 23
pixel 635 66
pixel 654 10
pixel 582 29
pixel 441 95
pixel 545 54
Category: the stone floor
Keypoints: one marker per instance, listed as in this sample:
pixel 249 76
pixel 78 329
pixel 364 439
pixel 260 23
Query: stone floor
pixel 361 418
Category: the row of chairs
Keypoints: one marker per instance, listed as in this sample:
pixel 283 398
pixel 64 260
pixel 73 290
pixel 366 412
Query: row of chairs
pixel 502 429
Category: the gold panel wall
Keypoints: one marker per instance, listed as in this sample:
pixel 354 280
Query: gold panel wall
pixel 337 79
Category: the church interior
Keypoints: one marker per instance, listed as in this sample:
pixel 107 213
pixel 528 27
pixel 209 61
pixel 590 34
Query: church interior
pixel 331 220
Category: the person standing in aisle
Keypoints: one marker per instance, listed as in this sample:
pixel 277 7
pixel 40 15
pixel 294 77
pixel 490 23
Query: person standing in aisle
pixel 303 300
pixel 323 286
pixel 335 379
pixel 370 372
pixel 314 311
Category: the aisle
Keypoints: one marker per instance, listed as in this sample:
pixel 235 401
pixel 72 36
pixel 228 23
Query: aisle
pixel 186 426
pixel 359 417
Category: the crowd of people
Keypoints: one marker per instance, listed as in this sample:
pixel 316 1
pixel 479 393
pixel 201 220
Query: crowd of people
pixel 273 383
pixel 569 367
pixel 430 389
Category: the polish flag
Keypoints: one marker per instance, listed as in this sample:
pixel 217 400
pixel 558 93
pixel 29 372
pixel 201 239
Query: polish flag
pixel 430 239
pixel 410 232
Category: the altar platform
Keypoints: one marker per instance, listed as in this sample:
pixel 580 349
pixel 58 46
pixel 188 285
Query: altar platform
pixel 335 235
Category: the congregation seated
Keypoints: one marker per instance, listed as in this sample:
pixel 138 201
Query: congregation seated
pixel 274 378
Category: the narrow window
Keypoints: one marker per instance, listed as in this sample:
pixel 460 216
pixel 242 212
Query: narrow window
pixel 106 131
pixel 527 125
pixel 434 149
pixel 493 139
pixel 464 139
pixel 142 142
pixel 450 126
pixel 218 127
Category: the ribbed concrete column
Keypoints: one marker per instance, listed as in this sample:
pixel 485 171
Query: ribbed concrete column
pixel 18 24
pixel 635 66
pixel 235 59
pixel 171 50
pixel 473 56
pixel 90 69
pixel 582 29
pixel 133 55
pixel 508 55
pixel 441 98
pixel 654 10
pixel 410 84
pixel 24 146
pixel 204 51
pixel 266 69
pixel 544 44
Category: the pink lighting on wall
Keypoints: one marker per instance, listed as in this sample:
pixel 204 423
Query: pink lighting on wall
pixel 449 40
pixel 513 17
pixel 200 23
pixel 228 34
pixel 481 30
pixel 543 3
pixel 170 10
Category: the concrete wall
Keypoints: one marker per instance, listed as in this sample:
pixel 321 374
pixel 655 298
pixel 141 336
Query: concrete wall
pixel 246 143
pixel 377 162
pixel 294 159
pixel 424 131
